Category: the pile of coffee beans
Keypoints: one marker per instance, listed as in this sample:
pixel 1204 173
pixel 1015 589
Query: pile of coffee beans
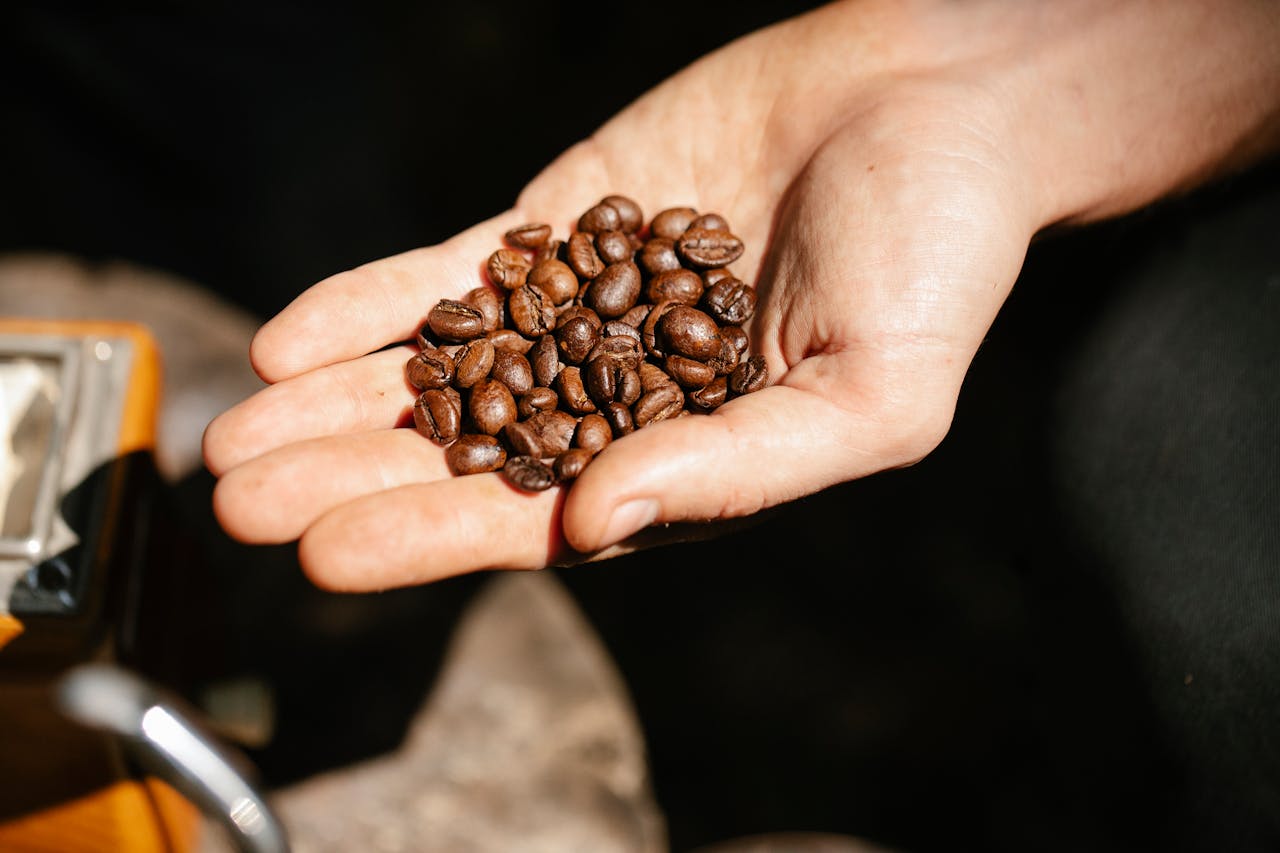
pixel 579 342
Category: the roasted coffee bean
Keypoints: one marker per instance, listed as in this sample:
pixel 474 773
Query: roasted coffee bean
pixel 727 359
pixel 608 380
pixel 555 279
pixel 475 454
pixel 702 248
pixel 534 235
pixel 573 394
pixel 689 332
pixel 522 439
pixel 736 336
pixel 711 222
pixel 538 399
pixel 649 329
pixel 614 291
pixel 613 328
pixel 749 376
pixel 579 311
pixel 508 268
pixel 555 430
pixel 491 406
pixel 473 363
pixel 715 275
pixel 613 247
pixel 570 464
pixel 689 373
pixel 672 222
pixel 553 248
pixel 630 217
pixel 513 370
pixel 576 338
pixel 678 285
pixel 730 302
pixel 619 417
pixel 531 311
pixel 602 217
pixel 710 397
pixel 428 339
pixel 659 255
pixel 581 256
pixel 437 416
pixel 510 340
pixel 544 358
pixel 652 376
pixel 657 405
pixel 593 433
pixel 429 369
pixel 620 349
pixel 454 321
pixel 489 304
pixel 528 473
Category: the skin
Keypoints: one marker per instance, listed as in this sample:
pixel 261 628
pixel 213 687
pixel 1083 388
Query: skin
pixel 887 164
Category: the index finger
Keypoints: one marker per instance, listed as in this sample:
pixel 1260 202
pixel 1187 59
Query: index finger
pixel 361 310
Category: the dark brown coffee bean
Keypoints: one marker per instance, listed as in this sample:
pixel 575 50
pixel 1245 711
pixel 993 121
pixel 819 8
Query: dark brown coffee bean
pixel 508 268
pixel 544 358
pixel 649 328
pixel 573 394
pixel 711 222
pixel 531 311
pixel 454 321
pixel 581 256
pixel 652 376
pixel 715 275
pixel 593 433
pixel 510 340
pixel 429 369
pixel 689 332
pixel 672 222
pixel 689 373
pixel 475 454
pixel 614 291
pixel 473 363
pixel 538 399
pixel 630 216
pixel 730 302
pixel 489 304
pixel 513 370
pixel 570 464
pixel 534 235
pixel 658 255
pixel 749 376
pixel 613 247
pixel 491 406
pixel 555 279
pixel 619 417
pixel 710 397
pixel 608 380
pixel 576 338
pixel 678 285
pixel 522 439
pixel 702 248
pixel 437 416
pixel 553 248
pixel 428 339
pixel 601 217
pixel 555 430
pixel 583 311
pixel 613 328
pixel 737 337
pixel 658 405
pixel 528 473
pixel 727 360
pixel 621 349
pixel 636 316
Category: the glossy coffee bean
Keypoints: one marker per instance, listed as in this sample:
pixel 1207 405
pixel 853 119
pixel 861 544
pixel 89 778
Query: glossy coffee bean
pixel 473 363
pixel 652 376
pixel 619 417
pixel 613 328
pixel 575 339
pixel 555 279
pixel 475 454
pixel 489 304
pixel 593 433
pixel 649 338
pixel 522 439
pixel 510 340
pixel 573 394
pixel 711 397
pixel 657 405
pixel 429 369
pixel 678 285
pixel 455 322
pixel 572 311
pixel 608 380
pixel 727 359
pixel 533 235
pixel 554 430
pixel 715 275
pixel 581 256
pixel 710 221
pixel 513 370
pixel 491 406
pixel 528 473
pixel 508 268
pixel 657 255
pixel 636 316
pixel 614 291
pixel 689 332
pixel 553 248
pixel 544 358
pixel 749 376
pixel 613 247
pixel 703 248
pixel 537 399
pixel 672 222
pixel 730 302
pixel 737 337
pixel 689 373
pixel 600 218
pixel 531 311
pixel 630 216
pixel 437 416
pixel 620 349
pixel 570 464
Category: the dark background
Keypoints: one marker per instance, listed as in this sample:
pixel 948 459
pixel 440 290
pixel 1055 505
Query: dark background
pixel 1058 632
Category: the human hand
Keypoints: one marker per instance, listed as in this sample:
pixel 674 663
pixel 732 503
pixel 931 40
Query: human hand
pixel 886 203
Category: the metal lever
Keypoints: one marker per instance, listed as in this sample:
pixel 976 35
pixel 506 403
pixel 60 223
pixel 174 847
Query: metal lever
pixel 166 736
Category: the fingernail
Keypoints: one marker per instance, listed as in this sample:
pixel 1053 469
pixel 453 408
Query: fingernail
pixel 628 518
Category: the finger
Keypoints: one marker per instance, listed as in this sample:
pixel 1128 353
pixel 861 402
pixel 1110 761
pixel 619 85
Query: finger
pixel 424 532
pixel 369 393
pixel 358 311
pixel 273 498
